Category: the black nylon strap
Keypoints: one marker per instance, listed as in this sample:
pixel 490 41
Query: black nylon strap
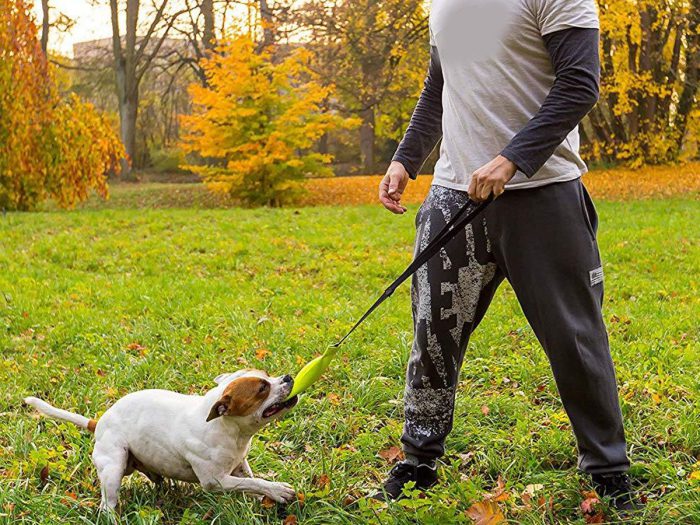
pixel 464 216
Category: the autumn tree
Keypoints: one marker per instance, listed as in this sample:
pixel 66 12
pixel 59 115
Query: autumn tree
pixel 376 53
pixel 650 53
pixel 257 123
pixel 49 148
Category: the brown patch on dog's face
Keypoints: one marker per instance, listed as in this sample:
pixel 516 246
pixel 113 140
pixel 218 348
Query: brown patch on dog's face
pixel 242 397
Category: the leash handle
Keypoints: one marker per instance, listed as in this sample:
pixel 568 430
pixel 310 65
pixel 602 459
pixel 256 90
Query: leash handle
pixel 448 232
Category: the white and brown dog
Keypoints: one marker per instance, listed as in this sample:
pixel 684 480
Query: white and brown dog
pixel 199 439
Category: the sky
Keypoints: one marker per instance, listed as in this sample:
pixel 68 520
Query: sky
pixel 91 22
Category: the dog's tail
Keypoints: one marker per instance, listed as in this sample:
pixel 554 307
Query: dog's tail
pixel 57 413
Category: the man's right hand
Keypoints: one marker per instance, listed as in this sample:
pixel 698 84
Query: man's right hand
pixel 392 187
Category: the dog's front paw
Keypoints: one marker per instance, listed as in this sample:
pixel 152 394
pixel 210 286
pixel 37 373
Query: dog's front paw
pixel 280 492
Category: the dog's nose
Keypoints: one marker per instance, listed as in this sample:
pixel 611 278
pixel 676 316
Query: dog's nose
pixel 287 379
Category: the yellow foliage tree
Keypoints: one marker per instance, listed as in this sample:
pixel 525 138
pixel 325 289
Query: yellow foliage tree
pixel 650 53
pixel 49 148
pixel 257 122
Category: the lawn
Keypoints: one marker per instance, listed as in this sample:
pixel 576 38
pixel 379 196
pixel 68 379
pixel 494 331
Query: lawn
pixel 100 302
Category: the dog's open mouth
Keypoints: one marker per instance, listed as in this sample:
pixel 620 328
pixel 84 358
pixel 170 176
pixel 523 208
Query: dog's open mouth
pixel 278 407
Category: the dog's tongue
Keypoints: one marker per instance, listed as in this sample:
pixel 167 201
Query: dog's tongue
pixel 273 409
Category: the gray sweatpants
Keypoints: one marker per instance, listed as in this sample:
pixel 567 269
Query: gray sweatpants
pixel 543 240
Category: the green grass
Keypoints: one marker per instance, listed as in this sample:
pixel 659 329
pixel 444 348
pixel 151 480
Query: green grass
pixel 202 290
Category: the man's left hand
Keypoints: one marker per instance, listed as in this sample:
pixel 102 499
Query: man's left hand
pixel 491 178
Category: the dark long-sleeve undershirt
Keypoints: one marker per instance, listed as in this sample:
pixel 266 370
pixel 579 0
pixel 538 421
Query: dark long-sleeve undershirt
pixel 576 63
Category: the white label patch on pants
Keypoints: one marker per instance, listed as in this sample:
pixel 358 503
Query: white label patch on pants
pixel 596 276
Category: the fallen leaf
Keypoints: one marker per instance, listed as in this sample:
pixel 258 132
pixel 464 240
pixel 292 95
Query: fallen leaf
pixel 590 507
pixel 267 503
pixel 333 398
pixel 322 481
pixel 486 513
pixel 25 314
pixel 44 474
pixel 301 497
pixel 391 454
pixel 261 353
pixel 531 489
pixel 291 519
pixel 499 493
pixel 529 493
pixel 208 514
pixel 466 458
pixel 485 410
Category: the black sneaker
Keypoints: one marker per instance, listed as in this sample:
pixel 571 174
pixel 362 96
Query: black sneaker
pixel 619 489
pixel 425 476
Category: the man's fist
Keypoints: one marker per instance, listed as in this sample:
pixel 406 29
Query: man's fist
pixel 392 187
pixel 491 178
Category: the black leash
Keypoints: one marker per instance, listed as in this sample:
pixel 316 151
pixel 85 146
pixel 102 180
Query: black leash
pixel 451 229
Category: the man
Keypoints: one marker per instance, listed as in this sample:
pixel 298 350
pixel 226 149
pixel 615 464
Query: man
pixel 508 83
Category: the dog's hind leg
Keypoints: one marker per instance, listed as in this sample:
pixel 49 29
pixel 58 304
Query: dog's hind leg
pixel 110 459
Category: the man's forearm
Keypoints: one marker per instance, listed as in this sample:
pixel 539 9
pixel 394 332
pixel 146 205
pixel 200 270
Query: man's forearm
pixel 425 129
pixel 576 62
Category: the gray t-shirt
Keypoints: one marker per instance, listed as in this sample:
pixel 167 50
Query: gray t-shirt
pixel 497 73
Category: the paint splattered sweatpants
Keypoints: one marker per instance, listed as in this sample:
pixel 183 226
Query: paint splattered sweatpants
pixel 543 240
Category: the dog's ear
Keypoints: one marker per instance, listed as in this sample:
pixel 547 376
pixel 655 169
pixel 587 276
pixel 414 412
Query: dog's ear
pixel 219 409
pixel 242 397
pixel 221 377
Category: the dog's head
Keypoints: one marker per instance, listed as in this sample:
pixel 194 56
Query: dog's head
pixel 253 396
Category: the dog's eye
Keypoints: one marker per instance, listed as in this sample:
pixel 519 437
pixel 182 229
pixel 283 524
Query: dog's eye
pixel 264 387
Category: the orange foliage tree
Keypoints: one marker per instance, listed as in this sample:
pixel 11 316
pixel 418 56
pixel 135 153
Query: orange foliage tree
pixel 257 123
pixel 49 148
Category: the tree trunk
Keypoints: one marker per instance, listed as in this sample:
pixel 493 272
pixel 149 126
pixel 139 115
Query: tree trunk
pixel 267 25
pixel 45 25
pixel 128 113
pixel 207 8
pixel 687 100
pixel 367 139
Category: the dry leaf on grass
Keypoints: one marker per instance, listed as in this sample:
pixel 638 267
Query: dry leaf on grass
pixel 261 353
pixel 391 454
pixel 333 398
pixel 44 474
pixel 499 493
pixel 591 508
pixel 350 499
pixel 291 519
pixel 529 492
pixel 267 503
pixel 485 410
pixel 486 513
pixel 322 481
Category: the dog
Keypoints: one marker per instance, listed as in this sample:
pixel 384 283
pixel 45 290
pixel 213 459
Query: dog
pixel 197 439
